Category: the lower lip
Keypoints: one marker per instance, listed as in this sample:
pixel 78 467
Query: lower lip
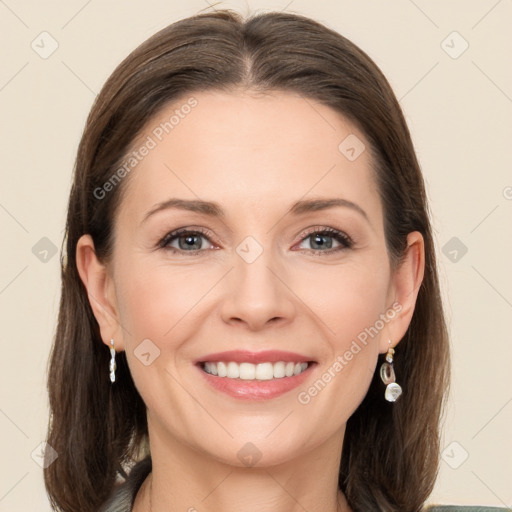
pixel 256 389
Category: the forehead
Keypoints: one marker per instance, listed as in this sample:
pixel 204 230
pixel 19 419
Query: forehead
pixel 246 151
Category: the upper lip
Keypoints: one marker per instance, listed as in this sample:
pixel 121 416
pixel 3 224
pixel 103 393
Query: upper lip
pixel 246 356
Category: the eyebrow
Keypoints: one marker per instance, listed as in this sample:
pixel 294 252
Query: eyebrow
pixel 215 210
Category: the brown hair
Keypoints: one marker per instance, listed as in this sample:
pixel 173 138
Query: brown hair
pixel 391 451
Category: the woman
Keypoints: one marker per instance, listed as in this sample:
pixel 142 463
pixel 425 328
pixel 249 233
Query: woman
pixel 250 306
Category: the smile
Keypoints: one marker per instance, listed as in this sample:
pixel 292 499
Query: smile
pixel 255 382
pixel 250 371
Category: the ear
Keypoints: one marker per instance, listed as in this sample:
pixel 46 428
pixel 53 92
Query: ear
pixel 100 291
pixel 404 288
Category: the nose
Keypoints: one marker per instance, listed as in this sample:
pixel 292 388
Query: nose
pixel 256 294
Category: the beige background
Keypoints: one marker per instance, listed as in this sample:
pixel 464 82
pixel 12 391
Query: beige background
pixel 460 114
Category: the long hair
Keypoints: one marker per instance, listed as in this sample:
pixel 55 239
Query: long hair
pixel 390 453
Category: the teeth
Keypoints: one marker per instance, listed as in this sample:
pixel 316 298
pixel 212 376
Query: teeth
pixel 249 371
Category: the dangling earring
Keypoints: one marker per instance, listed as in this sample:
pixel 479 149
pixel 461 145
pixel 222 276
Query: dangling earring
pixel 387 374
pixel 112 361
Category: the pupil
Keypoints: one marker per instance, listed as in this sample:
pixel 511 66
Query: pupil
pixel 189 241
pixel 320 241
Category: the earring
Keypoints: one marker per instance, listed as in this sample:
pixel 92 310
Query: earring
pixel 112 361
pixel 387 374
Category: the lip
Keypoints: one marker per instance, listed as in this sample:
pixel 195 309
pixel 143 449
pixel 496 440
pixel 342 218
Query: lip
pixel 246 356
pixel 256 390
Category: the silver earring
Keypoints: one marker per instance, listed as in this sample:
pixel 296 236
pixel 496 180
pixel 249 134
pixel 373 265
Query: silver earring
pixel 112 361
pixel 387 374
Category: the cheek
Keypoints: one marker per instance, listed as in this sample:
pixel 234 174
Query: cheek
pixel 158 307
pixel 156 299
pixel 350 313
pixel 346 299
pixel 350 304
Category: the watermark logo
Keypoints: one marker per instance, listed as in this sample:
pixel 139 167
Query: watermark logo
pixel 454 249
pixel 454 45
pixel 249 249
pixel 44 455
pixel 351 147
pixel 249 454
pixel 45 45
pixel 44 250
pixel 455 455
pixel 146 352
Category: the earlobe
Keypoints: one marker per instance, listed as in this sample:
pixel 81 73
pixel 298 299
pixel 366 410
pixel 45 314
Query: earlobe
pixel 405 285
pixel 100 291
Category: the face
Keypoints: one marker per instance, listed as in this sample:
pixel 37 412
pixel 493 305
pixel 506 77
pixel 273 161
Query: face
pixel 265 268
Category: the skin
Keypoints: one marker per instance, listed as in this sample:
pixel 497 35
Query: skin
pixel 255 155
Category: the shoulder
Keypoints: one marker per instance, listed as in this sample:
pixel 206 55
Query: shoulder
pixel 123 494
pixel 464 508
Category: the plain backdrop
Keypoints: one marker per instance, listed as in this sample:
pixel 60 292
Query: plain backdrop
pixel 449 64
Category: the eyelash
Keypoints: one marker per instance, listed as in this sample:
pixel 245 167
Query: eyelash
pixel 345 241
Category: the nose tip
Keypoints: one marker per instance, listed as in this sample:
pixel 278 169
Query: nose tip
pixel 256 296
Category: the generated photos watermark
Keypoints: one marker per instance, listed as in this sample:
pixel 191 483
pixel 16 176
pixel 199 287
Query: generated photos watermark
pixel 132 159
pixel 305 397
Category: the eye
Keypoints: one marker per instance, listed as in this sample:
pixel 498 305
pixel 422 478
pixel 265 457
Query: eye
pixel 185 240
pixel 323 240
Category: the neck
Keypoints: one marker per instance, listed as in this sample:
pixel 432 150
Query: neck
pixel 184 479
